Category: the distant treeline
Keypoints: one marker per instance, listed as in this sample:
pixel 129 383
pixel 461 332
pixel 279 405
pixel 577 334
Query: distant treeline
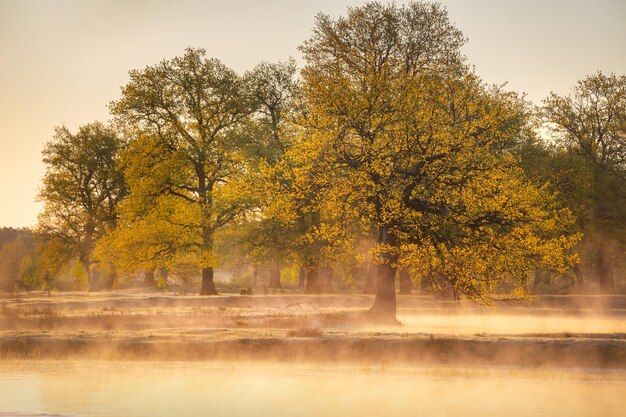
pixel 25 262
pixel 384 158
pixel 17 255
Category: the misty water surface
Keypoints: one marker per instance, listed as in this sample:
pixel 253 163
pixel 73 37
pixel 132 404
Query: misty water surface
pixel 86 388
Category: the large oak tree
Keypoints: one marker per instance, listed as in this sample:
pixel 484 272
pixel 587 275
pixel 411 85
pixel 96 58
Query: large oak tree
pixel 419 146
pixel 184 165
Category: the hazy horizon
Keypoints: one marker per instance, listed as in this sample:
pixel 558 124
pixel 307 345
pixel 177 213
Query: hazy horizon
pixel 64 61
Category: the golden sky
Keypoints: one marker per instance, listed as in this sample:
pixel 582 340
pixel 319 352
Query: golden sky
pixel 62 62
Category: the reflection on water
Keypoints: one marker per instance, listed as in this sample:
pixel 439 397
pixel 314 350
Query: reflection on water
pixel 510 324
pixel 146 389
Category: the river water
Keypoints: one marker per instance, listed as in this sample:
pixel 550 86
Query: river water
pixel 89 388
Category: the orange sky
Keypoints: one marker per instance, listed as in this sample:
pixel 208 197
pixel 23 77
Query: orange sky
pixel 62 61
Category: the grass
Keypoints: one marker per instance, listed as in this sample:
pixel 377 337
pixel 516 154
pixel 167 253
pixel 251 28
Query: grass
pixel 287 327
pixel 306 331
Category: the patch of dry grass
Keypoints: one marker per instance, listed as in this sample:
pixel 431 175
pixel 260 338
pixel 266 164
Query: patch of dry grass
pixel 307 331
pixel 325 328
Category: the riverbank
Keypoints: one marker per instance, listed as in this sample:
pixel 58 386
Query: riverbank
pixel 565 332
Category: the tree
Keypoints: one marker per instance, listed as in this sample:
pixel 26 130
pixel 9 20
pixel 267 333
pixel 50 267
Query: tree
pixel 289 212
pixel 298 207
pixel 274 88
pixel 355 84
pixel 184 160
pixel 81 189
pixel 147 237
pixel 419 147
pixel 592 120
pixel 589 128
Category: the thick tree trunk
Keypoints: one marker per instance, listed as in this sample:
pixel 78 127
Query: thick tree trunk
pixel 312 281
pixel 92 278
pixel 163 275
pixel 605 269
pixel 274 275
pixel 86 247
pixel 385 302
pixel 208 286
pixel 406 285
pixel 371 279
pixel 148 278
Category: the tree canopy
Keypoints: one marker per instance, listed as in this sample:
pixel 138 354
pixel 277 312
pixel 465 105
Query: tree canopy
pixel 81 188
pixel 422 144
pixel 184 165
pixel 589 128
pixel 386 149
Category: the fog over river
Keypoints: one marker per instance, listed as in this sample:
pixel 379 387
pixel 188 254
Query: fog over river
pixel 88 388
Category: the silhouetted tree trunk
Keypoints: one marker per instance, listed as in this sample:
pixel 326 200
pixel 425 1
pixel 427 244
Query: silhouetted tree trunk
pixel 406 285
pixel 164 274
pixel 385 302
pixel 92 278
pixel 208 286
pixel 274 275
pixel 148 278
pixel 312 281
pixel 86 247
